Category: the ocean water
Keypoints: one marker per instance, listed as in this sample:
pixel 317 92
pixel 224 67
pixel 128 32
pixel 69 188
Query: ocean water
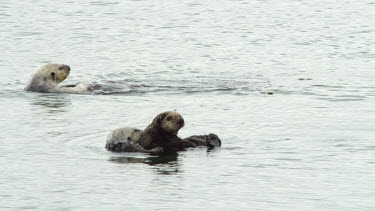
pixel 287 85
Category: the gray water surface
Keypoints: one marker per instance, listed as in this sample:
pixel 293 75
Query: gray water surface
pixel 309 146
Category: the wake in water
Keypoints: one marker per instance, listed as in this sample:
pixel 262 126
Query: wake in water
pixel 238 86
pixel 48 78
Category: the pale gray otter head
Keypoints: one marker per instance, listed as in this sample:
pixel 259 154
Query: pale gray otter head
pixel 169 122
pixel 48 77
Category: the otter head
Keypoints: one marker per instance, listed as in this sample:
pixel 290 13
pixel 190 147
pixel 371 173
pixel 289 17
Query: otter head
pixel 169 122
pixel 47 77
pixel 54 72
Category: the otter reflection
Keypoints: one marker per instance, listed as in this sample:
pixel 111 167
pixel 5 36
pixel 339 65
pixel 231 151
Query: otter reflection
pixel 53 103
pixel 164 163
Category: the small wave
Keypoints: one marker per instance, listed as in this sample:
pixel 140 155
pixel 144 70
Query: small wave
pixel 243 86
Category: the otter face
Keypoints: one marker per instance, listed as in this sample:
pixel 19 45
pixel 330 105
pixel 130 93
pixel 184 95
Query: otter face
pixel 55 72
pixel 47 78
pixel 170 122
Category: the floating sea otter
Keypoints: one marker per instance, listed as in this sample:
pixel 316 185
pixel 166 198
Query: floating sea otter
pixel 48 78
pixel 159 136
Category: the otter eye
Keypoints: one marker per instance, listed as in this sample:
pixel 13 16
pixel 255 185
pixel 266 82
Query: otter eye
pixel 53 74
pixel 169 118
pixel 61 67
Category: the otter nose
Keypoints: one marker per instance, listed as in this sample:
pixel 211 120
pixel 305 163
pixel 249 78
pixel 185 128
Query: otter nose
pixel 180 121
pixel 67 67
pixel 64 66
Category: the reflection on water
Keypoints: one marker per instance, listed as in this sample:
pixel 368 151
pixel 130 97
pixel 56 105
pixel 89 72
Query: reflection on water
pixel 163 164
pixel 54 103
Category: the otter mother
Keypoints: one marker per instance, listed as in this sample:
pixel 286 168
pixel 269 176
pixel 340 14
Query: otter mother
pixel 160 135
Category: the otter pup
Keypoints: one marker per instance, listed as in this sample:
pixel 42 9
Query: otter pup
pixel 161 134
pixel 125 140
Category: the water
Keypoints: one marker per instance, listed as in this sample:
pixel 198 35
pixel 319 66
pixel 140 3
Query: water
pixel 309 146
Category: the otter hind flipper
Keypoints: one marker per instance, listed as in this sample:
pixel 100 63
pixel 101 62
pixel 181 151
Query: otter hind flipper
pixel 213 140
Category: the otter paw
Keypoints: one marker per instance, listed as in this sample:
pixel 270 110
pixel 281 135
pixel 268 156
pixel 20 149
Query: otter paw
pixel 213 140
pixel 157 150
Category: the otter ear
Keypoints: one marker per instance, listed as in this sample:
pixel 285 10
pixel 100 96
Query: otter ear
pixel 53 75
pixel 159 118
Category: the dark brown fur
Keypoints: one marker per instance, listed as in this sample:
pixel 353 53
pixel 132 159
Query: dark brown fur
pixel 159 136
pixel 162 132
pixel 211 140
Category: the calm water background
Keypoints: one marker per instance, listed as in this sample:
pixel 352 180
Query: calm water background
pixel 310 146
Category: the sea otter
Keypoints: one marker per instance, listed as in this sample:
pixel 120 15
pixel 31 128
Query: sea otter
pixel 160 135
pixel 48 78
pixel 125 140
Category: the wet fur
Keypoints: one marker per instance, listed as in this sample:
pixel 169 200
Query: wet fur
pixel 160 134
pixel 47 79
pixel 211 140
pixel 125 140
